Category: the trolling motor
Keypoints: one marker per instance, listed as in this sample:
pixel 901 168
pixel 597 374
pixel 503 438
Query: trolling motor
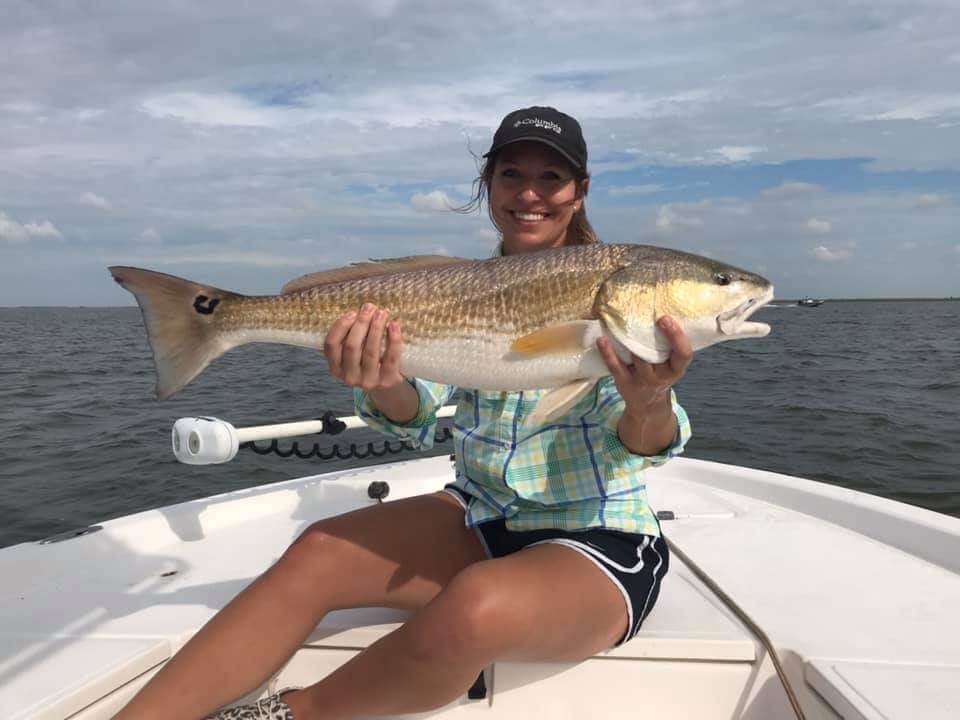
pixel 204 440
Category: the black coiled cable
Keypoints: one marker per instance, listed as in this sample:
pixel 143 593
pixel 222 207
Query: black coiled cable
pixel 333 426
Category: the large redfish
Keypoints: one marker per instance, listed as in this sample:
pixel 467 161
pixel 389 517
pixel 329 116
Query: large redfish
pixel 507 323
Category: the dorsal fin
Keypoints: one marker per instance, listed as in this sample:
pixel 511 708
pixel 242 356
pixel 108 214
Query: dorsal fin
pixel 371 268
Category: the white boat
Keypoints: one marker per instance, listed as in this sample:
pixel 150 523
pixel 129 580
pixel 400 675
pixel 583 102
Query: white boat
pixel 857 596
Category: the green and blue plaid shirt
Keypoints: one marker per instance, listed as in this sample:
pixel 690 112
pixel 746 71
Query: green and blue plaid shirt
pixel 573 473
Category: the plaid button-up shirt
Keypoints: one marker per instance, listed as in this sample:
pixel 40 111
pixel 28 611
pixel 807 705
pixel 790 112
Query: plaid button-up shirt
pixel 573 473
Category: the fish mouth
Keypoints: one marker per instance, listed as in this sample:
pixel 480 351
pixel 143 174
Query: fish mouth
pixel 734 322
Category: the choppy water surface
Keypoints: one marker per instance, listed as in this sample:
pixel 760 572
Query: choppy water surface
pixel 860 394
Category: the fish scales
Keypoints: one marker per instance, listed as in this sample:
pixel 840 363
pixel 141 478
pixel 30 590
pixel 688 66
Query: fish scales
pixel 495 297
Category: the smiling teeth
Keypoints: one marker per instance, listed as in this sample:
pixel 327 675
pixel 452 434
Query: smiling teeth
pixel 529 216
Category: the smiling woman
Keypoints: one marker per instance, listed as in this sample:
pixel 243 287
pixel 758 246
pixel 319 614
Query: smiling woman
pixel 535 175
pixel 551 550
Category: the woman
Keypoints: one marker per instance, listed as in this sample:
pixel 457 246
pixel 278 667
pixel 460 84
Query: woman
pixel 570 495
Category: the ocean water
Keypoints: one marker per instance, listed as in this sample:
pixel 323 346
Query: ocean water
pixel 864 395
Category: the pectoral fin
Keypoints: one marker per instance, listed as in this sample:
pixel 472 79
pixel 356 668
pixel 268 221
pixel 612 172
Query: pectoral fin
pixel 573 336
pixel 558 400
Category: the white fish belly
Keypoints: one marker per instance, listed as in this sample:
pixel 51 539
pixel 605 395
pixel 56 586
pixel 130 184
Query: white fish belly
pixel 489 364
pixel 301 338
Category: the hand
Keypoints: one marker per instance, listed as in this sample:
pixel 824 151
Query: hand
pixel 644 385
pixel 352 349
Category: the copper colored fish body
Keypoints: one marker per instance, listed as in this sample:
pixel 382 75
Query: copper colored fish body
pixel 519 322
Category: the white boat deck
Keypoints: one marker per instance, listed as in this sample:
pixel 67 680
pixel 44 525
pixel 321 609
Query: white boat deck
pixel 857 593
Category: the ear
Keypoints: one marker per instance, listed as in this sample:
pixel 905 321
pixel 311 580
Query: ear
pixel 582 187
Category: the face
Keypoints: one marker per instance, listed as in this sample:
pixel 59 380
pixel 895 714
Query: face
pixel 533 196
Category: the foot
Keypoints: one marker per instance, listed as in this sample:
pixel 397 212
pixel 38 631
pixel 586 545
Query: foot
pixel 273 707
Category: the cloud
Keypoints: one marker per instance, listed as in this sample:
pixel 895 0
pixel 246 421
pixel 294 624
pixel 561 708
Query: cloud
pixel 791 190
pixel 436 201
pixel 150 234
pixel 680 216
pixel 223 257
pixel 94 200
pixel 818 226
pixel 218 109
pixel 738 153
pixel 26 108
pixel 825 254
pixel 16 233
pixel 924 107
pixel 621 190
pixel 891 105
pixel 930 200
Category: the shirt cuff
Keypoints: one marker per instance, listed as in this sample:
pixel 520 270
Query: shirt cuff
pixel 417 430
pixel 675 448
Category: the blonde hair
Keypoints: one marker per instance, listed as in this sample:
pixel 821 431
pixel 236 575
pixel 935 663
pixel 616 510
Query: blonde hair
pixel 579 231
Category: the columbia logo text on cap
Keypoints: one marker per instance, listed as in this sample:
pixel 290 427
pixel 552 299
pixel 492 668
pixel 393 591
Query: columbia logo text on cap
pixel 537 122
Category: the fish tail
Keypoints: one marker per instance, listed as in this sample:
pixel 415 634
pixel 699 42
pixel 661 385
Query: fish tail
pixel 181 321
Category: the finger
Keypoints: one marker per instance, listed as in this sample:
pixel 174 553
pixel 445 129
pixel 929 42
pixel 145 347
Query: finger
pixel 353 345
pixel 390 364
pixel 681 349
pixel 370 359
pixel 618 369
pixel 333 343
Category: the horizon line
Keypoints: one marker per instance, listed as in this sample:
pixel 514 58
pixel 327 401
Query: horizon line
pixel 947 298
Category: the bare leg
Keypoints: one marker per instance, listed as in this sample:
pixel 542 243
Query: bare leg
pixel 250 639
pixel 544 603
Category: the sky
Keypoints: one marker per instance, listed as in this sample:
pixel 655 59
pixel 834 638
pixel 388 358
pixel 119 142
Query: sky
pixel 242 144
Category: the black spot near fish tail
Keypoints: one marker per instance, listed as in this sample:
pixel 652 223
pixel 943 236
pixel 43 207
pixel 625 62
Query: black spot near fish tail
pixel 204 305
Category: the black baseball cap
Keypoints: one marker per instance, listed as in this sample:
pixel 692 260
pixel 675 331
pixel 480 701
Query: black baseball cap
pixel 545 125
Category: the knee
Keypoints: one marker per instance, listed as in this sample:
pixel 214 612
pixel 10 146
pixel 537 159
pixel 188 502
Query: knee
pixel 314 550
pixel 467 619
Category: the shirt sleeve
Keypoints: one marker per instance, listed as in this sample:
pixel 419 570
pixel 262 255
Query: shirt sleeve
pixel 613 406
pixel 421 429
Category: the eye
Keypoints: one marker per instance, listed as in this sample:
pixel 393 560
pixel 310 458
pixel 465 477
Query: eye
pixel 722 278
pixel 510 173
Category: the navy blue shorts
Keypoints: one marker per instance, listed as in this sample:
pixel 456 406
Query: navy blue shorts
pixel 635 563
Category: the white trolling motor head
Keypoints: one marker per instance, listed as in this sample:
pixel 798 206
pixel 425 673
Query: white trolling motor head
pixel 204 440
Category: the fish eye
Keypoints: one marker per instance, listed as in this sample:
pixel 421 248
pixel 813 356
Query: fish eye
pixel 722 278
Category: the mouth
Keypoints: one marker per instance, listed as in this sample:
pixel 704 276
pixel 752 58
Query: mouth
pixel 528 218
pixel 734 322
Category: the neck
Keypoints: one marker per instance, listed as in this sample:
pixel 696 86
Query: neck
pixel 504 248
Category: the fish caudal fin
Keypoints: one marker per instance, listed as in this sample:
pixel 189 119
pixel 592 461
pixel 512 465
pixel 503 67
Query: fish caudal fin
pixel 180 317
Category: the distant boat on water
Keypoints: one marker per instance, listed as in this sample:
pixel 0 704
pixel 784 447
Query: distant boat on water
pixel 809 302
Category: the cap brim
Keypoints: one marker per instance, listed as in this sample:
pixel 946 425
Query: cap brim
pixel 542 141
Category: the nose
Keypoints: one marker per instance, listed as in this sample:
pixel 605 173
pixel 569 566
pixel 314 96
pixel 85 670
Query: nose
pixel 528 191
